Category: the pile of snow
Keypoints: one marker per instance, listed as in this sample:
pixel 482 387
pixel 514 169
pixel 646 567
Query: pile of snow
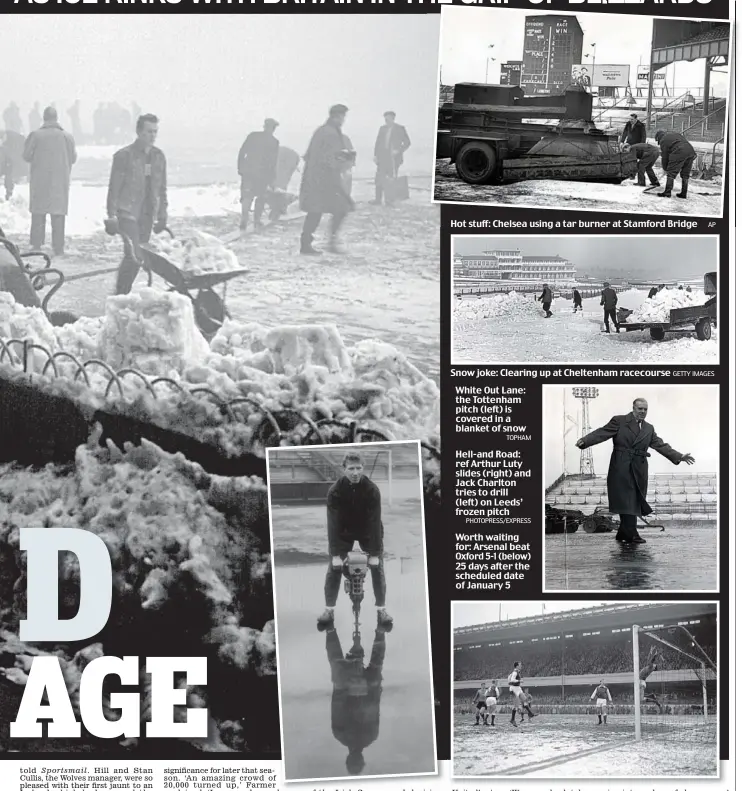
pixel 151 330
pixel 308 370
pixel 15 216
pixel 23 323
pixel 499 306
pixel 657 309
pixel 198 254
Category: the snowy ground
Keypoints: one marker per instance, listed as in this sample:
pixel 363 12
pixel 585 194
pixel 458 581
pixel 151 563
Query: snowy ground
pixel 568 337
pixel 705 198
pixel 386 285
pixel 563 745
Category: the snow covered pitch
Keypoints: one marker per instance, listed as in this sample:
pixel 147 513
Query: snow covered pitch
pixel 574 745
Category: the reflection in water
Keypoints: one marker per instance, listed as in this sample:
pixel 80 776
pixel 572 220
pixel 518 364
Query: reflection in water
pixel 356 694
pixel 683 557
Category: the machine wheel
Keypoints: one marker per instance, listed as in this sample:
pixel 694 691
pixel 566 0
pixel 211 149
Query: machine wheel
pixel 476 163
pixel 703 330
pixel 589 525
pixel 656 333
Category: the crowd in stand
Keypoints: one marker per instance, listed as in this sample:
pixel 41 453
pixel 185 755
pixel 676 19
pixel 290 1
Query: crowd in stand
pixel 570 657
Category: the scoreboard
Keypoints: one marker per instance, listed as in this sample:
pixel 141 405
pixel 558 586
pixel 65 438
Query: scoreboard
pixel 552 45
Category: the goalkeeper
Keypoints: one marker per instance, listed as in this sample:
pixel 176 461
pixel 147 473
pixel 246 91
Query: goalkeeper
pixel 653 661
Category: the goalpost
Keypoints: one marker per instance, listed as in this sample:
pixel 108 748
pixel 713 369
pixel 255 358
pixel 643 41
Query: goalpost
pixel 674 686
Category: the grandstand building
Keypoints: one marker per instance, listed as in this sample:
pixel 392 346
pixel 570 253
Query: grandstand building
pixel 513 266
pixel 566 654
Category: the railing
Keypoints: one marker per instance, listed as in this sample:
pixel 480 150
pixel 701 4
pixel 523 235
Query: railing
pixel 286 424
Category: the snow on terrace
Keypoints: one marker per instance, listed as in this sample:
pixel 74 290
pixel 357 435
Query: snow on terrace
pixel 704 197
pixel 486 332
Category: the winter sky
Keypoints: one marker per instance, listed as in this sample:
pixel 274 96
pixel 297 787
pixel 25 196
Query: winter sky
pixel 467 33
pixel 685 416
pixel 672 257
pixel 211 78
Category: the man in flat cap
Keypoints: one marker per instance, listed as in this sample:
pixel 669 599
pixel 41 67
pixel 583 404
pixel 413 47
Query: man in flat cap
pixel 256 164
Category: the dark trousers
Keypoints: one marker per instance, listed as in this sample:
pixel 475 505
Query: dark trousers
pixel 610 314
pixel 547 308
pixel 334 577
pixel 644 168
pixel 627 530
pixel 38 231
pixel 139 232
pixel 312 221
pixel 678 166
pixel 250 193
pixel 385 173
pixel 578 306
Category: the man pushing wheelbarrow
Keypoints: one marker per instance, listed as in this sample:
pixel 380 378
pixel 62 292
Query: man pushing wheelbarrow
pixel 137 197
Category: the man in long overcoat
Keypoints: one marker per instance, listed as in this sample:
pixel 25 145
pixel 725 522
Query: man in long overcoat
pixel 322 190
pixel 628 474
pixel 677 160
pixel 51 153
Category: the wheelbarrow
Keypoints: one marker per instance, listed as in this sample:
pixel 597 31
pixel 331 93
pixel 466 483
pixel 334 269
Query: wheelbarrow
pixel 209 309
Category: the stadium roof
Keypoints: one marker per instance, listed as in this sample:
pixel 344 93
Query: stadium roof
pixel 604 616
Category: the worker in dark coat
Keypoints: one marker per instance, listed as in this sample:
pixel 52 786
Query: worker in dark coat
pixel 354 514
pixel 609 301
pixel 356 695
pixel 646 156
pixel 256 164
pixel 634 132
pixel 576 300
pixel 677 160
pixel 653 292
pixel 322 190
pixel 628 474
pixel 547 297
pixel 137 197
pixel 51 153
pixel 391 143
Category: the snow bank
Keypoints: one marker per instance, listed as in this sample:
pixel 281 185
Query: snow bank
pixel 185 547
pixel 290 371
pixel 657 309
pixel 199 253
pixel 15 217
pixel 499 306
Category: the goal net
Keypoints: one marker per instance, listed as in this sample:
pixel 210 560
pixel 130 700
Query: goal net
pixel 675 693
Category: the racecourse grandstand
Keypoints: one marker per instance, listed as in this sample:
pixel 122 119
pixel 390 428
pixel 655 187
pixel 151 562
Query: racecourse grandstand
pixel 566 654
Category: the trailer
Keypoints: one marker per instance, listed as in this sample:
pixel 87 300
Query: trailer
pixel 698 319
pixel 493 136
